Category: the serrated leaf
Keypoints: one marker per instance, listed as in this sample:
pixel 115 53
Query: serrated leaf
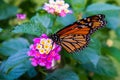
pixel 62 74
pixel 11 46
pixel 7 10
pixel 104 67
pixel 89 54
pixel 30 28
pixel 68 19
pixel 45 19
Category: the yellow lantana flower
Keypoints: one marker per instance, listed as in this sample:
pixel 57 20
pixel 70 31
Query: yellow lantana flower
pixel 43 41
pixel 42 50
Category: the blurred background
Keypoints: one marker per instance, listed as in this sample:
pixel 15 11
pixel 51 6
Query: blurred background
pixel 100 61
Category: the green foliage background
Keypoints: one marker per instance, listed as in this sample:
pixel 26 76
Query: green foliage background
pixel 99 61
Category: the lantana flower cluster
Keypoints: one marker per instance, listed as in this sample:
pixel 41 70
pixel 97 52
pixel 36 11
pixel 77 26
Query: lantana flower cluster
pixel 58 7
pixel 21 16
pixel 44 52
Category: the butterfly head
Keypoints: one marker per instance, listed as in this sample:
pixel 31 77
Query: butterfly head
pixel 55 38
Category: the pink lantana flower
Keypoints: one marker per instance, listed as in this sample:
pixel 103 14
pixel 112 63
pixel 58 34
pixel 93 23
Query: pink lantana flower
pixel 44 52
pixel 58 7
pixel 21 16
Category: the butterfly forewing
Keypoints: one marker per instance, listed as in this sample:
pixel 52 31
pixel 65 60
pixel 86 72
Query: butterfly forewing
pixel 94 22
pixel 76 36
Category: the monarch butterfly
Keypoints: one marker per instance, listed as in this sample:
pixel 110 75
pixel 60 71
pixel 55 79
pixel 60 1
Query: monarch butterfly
pixel 76 36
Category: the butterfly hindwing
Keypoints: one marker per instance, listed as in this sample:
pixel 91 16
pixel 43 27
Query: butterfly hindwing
pixel 76 36
pixel 74 42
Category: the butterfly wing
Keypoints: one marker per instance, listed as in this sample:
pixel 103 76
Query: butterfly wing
pixel 84 26
pixel 76 36
pixel 74 42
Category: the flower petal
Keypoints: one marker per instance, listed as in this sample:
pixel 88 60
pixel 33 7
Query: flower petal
pixel 48 65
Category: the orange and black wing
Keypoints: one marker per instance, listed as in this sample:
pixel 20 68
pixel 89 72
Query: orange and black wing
pixel 74 42
pixel 84 26
pixel 76 36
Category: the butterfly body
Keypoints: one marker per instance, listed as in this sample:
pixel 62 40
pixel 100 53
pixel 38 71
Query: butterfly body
pixel 76 36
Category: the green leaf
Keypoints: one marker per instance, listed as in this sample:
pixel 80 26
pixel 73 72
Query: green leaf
pixel 113 22
pixel 45 19
pixel 100 1
pixel 63 74
pixel 114 52
pixel 117 30
pixel 1 76
pixel 16 72
pixel 32 72
pixel 57 26
pixel 101 77
pixel 16 65
pixel 102 8
pixel 15 59
pixel 11 46
pixel 68 2
pixel 68 19
pixel 30 28
pixel 0 29
pixel 104 67
pixel 78 5
pixel 95 44
pixel 7 10
pixel 89 54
